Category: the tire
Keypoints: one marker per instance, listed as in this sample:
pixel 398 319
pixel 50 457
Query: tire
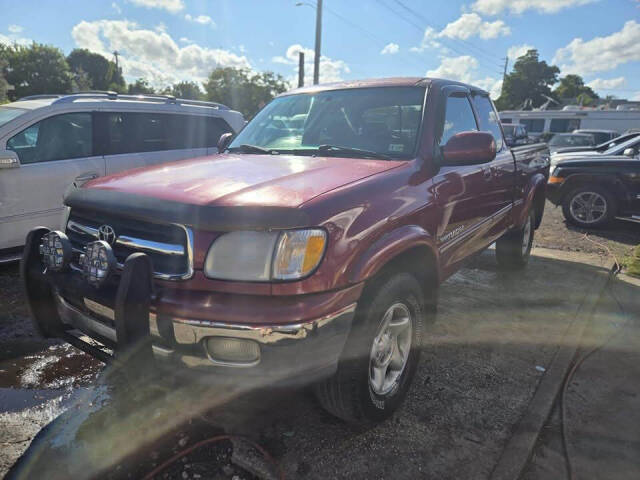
pixel 513 249
pixel 589 206
pixel 350 393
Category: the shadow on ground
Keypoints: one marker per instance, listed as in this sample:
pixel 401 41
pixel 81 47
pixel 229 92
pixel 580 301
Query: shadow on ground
pixel 481 363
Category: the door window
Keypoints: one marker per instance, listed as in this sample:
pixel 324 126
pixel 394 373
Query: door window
pixel 458 118
pixel 60 137
pixel 488 118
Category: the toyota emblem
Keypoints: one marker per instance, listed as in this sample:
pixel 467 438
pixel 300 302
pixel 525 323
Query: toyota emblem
pixel 107 233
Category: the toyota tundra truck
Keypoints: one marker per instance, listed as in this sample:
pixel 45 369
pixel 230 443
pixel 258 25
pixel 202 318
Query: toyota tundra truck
pixel 310 249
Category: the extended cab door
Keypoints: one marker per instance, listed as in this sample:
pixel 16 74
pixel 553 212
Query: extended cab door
pixel 54 153
pixel 501 185
pixel 464 193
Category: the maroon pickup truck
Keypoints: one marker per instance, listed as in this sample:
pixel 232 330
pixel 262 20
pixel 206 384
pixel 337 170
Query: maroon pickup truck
pixel 310 249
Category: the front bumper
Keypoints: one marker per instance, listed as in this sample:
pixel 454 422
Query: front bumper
pixel 554 193
pixel 299 349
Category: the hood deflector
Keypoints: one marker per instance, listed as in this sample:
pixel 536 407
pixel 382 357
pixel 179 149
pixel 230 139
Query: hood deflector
pixel 201 217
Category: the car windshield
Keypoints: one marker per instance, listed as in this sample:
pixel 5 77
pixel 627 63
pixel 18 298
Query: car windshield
pixel 571 141
pixel 619 148
pixel 383 121
pixel 9 113
pixel 508 129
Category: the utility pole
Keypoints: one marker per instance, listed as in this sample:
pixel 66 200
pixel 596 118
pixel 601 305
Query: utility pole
pixel 504 73
pixel 300 69
pixel 316 59
pixel 115 54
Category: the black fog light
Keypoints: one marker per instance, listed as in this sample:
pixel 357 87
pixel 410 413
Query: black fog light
pixel 56 250
pixel 98 261
pixel 232 351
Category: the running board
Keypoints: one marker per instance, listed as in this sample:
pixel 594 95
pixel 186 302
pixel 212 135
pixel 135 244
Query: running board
pixel 632 218
pixel 10 257
pixel 87 347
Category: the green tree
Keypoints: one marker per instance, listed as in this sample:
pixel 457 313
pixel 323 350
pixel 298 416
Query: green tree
pixel 188 90
pixel 530 79
pixel 572 87
pixel 4 85
pixel 102 73
pixel 242 90
pixel 140 87
pixel 35 69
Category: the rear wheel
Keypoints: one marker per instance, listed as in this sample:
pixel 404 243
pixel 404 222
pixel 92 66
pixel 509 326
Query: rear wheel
pixel 513 249
pixel 589 206
pixel 381 353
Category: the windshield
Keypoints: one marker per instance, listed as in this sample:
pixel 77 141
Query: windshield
pixel 619 148
pixel 383 120
pixel 571 141
pixel 508 129
pixel 9 113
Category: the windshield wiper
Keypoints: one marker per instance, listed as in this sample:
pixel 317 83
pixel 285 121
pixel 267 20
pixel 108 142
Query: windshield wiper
pixel 354 151
pixel 246 148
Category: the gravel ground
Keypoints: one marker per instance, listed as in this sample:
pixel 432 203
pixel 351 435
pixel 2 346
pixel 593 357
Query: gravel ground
pixel 481 363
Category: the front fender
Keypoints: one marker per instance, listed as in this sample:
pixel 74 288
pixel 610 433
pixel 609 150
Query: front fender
pixel 535 186
pixel 389 246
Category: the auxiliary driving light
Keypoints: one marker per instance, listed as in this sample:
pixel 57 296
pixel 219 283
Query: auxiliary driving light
pixel 234 351
pixel 98 261
pixel 56 250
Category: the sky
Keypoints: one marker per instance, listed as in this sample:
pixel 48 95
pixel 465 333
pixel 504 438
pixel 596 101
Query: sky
pixel 166 41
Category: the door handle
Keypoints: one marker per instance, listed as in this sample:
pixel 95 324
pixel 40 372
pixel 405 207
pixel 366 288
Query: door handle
pixel 488 173
pixel 86 178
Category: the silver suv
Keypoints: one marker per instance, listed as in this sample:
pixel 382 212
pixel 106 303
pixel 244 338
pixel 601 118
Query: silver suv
pixel 49 142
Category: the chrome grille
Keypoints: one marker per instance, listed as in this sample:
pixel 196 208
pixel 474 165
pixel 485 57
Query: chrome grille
pixel 169 246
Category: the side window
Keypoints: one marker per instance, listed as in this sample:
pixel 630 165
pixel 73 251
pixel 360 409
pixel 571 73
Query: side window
pixel 564 125
pixel 191 131
pixel 60 137
pixel 458 118
pixel 533 125
pixel 488 118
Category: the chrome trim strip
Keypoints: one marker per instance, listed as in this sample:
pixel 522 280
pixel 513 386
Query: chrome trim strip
pixel 455 240
pixel 632 218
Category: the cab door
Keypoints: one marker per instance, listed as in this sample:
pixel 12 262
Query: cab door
pixel 464 193
pixel 54 153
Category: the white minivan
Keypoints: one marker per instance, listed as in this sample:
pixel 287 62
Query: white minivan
pixel 49 142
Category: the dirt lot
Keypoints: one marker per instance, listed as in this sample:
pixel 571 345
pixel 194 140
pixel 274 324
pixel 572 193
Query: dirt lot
pixel 481 362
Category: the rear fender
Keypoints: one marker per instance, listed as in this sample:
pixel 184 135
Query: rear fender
pixel 610 182
pixel 390 246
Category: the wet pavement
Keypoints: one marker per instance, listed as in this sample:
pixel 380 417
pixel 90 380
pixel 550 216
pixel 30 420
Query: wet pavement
pixel 481 363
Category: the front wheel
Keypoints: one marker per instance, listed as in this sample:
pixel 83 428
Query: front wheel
pixel 381 354
pixel 513 249
pixel 589 206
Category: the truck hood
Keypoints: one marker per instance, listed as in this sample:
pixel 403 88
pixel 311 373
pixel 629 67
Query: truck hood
pixel 243 180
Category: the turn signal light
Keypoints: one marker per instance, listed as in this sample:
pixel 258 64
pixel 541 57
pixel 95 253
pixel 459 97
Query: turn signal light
pixel 556 180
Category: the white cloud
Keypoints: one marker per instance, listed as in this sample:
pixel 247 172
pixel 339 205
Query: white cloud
pixel 601 53
pixel 330 70
pixel 517 51
pixel 496 7
pixel 14 37
pixel 116 7
pixel 153 55
pixel 201 19
pixel 172 6
pixel 467 26
pixel 15 28
pixel 390 49
pixel 464 69
pixel 607 83
pixel 186 40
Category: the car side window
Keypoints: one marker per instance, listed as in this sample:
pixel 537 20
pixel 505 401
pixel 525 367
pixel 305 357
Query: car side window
pixel 60 137
pixel 488 119
pixel 458 118
pixel 191 131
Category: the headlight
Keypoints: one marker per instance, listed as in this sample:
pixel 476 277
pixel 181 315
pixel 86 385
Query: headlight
pixel 264 256
pixel 97 262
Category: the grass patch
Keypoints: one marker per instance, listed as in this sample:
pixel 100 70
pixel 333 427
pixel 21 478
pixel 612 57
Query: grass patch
pixel 632 262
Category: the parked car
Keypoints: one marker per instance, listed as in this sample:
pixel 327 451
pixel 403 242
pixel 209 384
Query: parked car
pixel 515 135
pixel 601 147
pixel 560 140
pixel 308 251
pixel 600 136
pixel 594 190
pixel 628 148
pixel 48 142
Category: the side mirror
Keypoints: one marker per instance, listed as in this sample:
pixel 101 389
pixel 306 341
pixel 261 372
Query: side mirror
pixel 224 141
pixel 469 148
pixel 629 152
pixel 9 159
